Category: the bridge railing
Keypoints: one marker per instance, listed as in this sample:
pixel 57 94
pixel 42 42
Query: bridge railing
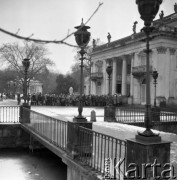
pixel 102 152
pixel 9 114
pixel 53 130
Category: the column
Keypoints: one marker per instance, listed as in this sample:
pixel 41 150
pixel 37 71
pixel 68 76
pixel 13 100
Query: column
pixel 172 66
pixel 131 76
pixel 162 68
pixel 114 76
pixel 107 79
pixel 124 76
pixel 105 84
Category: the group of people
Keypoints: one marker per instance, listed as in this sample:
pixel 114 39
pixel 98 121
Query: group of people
pixel 73 100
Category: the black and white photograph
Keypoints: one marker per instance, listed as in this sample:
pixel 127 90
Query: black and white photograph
pixel 88 89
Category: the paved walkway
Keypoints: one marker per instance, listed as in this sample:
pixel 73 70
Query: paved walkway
pixel 8 102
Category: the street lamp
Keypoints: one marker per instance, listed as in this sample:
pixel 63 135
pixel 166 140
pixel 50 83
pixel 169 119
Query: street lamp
pixel 26 64
pixel 109 72
pixel 82 37
pixel 148 10
pixel 155 76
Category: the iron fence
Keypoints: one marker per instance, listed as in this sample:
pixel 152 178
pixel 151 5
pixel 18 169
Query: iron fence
pixel 53 130
pixel 130 114
pixel 9 114
pixel 161 119
pixel 102 152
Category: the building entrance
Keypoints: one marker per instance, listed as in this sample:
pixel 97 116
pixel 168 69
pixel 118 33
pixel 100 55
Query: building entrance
pixel 118 88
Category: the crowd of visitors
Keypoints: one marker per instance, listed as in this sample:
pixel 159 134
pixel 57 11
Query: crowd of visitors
pixel 72 100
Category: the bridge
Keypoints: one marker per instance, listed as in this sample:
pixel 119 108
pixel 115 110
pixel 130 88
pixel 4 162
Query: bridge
pixel 86 152
pixel 83 150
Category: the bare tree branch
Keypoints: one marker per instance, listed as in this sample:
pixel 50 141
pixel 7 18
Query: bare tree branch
pixel 13 54
pixel 49 41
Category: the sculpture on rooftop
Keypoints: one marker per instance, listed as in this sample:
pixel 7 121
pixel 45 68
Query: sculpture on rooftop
pixel 134 27
pixel 175 7
pixel 161 15
pixel 94 43
pixel 109 37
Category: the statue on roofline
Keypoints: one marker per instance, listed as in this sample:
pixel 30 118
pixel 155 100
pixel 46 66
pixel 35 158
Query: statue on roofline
pixel 161 15
pixel 109 37
pixel 175 7
pixel 134 27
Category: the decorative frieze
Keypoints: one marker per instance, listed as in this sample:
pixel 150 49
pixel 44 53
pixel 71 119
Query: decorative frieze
pixel 172 51
pixel 161 50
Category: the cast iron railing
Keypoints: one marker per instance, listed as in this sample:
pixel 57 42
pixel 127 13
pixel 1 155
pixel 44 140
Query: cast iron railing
pixel 9 114
pixel 100 151
pixel 160 119
pixel 53 130
pixel 136 115
pixel 94 150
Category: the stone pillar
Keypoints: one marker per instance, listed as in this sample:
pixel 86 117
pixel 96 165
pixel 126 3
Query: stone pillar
pixel 24 113
pixel 124 76
pixel 145 154
pixel 114 76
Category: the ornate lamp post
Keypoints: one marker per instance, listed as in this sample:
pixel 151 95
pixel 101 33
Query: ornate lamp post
pixel 109 72
pixel 26 64
pixel 82 37
pixel 148 10
pixel 155 76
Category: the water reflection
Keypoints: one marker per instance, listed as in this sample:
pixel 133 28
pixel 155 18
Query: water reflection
pixel 22 165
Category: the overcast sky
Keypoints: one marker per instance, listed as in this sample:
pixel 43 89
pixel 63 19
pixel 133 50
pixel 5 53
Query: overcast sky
pixel 51 20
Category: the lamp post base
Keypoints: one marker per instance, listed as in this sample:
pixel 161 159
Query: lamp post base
pixel 153 138
pixel 25 104
pixel 79 119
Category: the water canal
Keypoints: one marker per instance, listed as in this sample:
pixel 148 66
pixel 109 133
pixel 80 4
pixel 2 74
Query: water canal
pixel 21 164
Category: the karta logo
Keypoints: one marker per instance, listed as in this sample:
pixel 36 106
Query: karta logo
pixel 167 170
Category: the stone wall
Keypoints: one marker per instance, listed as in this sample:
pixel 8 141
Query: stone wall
pixel 13 136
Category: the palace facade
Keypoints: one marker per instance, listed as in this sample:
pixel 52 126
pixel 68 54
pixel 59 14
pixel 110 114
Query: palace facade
pixel 128 60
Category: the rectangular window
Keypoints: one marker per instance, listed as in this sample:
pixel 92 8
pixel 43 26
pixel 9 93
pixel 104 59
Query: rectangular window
pixel 143 60
pixel 118 88
pixel 129 69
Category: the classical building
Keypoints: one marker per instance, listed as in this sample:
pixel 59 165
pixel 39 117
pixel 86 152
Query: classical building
pixel 128 60
pixel 35 86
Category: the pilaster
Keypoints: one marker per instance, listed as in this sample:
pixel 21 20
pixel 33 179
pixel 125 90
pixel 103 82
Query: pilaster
pixel 131 76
